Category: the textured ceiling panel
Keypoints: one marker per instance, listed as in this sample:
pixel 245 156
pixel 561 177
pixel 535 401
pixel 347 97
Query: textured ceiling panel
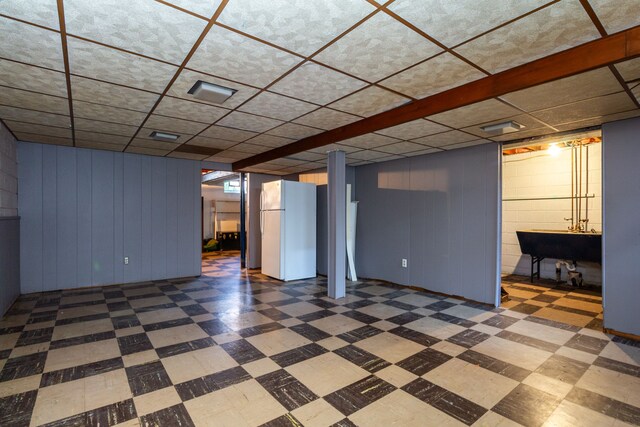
pixel 435 75
pixel 413 129
pixel 33 45
pixel 555 28
pixel 232 56
pixel 189 156
pixel 211 143
pixel 366 155
pixel 368 141
pixel 204 8
pixel 452 22
pixel 402 147
pixel 370 101
pixel 377 48
pixel 617 15
pixel 630 70
pixel 146 151
pixel 332 147
pixel 22 76
pixel 294 131
pixel 596 107
pixel 595 121
pixel 99 62
pixel 19 127
pixel 174 125
pixel 174 107
pixel 466 144
pixel 188 78
pixel 326 118
pixel 30 116
pixel 109 94
pixel 231 154
pixel 575 88
pixel 249 122
pixel 481 112
pixel 41 12
pixel 247 147
pixel 33 101
pixel 145 133
pixel 277 106
pixel 98 145
pixel 423 152
pixel 315 83
pixel 302 26
pixel 445 138
pixel 229 134
pixel 104 127
pixel 146 27
pixel 44 139
pixel 530 133
pixel 106 113
pixel 102 137
pixel 270 140
pixel 150 143
pixel 526 120
pixel 307 156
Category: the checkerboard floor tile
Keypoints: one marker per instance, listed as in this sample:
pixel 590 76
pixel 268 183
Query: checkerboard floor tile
pixel 234 347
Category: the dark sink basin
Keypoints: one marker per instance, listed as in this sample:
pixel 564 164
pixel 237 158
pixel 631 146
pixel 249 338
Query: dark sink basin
pixel 561 244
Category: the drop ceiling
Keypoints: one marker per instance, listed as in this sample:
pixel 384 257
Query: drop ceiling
pixel 104 74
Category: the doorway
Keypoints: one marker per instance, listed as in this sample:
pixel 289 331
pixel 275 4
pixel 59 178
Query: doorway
pixel 552 229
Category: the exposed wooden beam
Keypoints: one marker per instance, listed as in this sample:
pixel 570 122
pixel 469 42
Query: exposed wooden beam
pixel 589 56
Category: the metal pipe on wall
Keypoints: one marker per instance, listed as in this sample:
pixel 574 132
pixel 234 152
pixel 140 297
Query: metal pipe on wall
pixel 580 191
pixel 586 191
pixel 572 190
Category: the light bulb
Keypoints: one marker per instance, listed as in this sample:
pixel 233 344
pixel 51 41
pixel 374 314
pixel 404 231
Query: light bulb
pixel 553 150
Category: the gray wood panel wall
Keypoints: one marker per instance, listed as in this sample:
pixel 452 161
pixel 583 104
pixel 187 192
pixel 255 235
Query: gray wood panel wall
pixel 621 228
pixel 84 210
pixel 9 261
pixel 438 211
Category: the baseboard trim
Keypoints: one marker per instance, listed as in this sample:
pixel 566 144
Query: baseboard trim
pixel 625 335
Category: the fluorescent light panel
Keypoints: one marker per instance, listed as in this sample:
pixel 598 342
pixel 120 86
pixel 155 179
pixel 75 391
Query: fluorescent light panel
pixel 164 136
pixel 210 92
pixel 502 128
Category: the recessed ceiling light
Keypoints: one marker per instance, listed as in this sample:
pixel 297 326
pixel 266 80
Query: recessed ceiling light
pixel 163 136
pixel 210 92
pixel 502 128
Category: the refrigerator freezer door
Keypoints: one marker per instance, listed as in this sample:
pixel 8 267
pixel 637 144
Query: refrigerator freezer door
pixel 272 260
pixel 272 197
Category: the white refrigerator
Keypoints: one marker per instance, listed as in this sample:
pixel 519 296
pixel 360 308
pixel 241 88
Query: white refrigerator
pixel 288 228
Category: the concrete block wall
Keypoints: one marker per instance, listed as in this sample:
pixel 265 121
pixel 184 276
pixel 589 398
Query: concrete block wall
pixel 537 174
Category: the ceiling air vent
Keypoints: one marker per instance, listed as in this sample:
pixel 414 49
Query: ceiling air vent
pixel 502 128
pixel 211 93
pixel 164 136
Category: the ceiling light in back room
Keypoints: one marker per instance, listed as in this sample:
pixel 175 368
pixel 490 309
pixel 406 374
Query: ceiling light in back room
pixel 211 93
pixel 164 136
pixel 502 128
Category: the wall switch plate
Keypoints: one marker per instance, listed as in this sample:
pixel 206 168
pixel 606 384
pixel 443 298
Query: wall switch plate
pixel 404 262
pixel 126 260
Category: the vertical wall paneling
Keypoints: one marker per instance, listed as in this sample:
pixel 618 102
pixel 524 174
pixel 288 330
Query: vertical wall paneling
pixel 49 213
pixel 66 219
pixel 147 210
pixel 157 242
pixel 30 209
pixel 102 218
pixel 118 219
pixel 172 219
pixel 84 163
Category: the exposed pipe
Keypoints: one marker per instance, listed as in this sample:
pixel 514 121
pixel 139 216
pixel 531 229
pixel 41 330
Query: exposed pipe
pixel 576 192
pixel 572 190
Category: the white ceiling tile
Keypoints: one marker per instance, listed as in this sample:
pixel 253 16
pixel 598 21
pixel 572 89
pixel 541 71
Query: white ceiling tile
pixel 636 92
pixel 270 140
pixel 369 101
pixel 204 8
pixel 146 27
pixel 452 22
pixel 526 120
pixel 174 125
pixel 98 145
pixel 445 138
pixel 423 152
pixel 104 127
pixel 595 107
pixel 294 131
pixel 204 113
pixel 575 88
pixel 318 84
pixel 220 159
pixel 21 76
pixel 33 45
pixel 99 62
pixel 34 101
pixel 595 121
pixel 89 90
pixel 307 156
pixel 617 15
pixel 401 147
pixel 629 70
pixel 249 122
pixel 389 158
pixel 211 142
pixel 147 151
pixel 247 147
pixel 333 147
pixel 354 162
pixel 44 139
pixel 285 162
pixel 188 156
pixel 37 117
pixel 480 112
pixel 41 12
pixel 19 127
pixel 326 118
pixel 529 133
pixel 188 78
pixel 102 137
pixel 277 106
pixel 232 56
pixel 87 110
pixel 555 28
pixel 466 144
pixel 433 76
pixel 413 129
pixel 231 154
pixel 221 132
pixel 156 145
pixel 366 155
pixel 368 141
pixel 377 48
pixel 301 26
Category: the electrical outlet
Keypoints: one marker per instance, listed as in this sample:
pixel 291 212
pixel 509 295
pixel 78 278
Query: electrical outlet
pixel 404 263
pixel 126 260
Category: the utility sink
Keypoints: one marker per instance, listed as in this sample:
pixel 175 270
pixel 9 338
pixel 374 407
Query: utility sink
pixel 561 244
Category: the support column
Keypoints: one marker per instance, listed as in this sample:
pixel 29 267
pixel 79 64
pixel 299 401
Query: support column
pixel 336 195
pixel 243 219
